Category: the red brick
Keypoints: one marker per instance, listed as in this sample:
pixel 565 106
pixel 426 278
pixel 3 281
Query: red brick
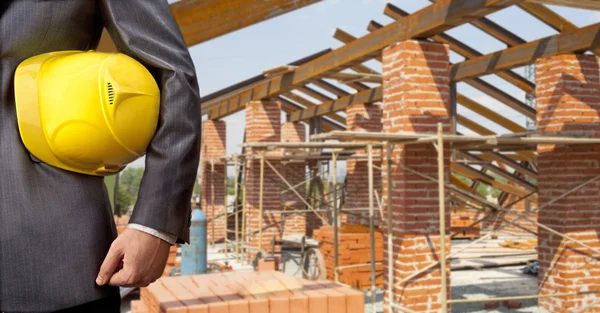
pixel 567 93
pixel 416 98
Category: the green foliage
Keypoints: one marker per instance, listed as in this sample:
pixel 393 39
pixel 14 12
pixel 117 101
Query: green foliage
pixel 231 186
pixel 131 178
pixel 124 199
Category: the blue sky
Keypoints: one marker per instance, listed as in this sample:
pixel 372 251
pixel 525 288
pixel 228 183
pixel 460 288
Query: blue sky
pixel 229 59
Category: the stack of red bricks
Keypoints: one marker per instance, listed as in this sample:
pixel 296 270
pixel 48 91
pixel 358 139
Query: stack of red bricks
pixel 247 292
pixel 172 261
pixel 121 222
pixel 354 248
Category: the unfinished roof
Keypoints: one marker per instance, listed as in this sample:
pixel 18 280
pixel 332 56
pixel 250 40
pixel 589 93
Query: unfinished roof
pixel 292 83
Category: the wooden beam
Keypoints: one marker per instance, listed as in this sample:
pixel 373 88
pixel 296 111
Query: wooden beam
pixel 213 99
pixel 310 105
pixel 441 16
pixel 584 39
pixel 509 161
pixel 202 20
pixel 579 4
pixel 367 96
pixel 328 125
pixel 465 50
pixel 551 18
pixel 500 33
pixel 344 77
pixel 481 130
pixel 548 17
pixel 501 96
pixel 490 114
pixel 478 83
pixel 313 94
pixel 496 170
pixel 331 88
pixel 490 181
pixel 475 127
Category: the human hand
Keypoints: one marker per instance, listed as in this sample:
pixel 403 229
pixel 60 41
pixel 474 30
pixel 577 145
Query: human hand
pixel 135 259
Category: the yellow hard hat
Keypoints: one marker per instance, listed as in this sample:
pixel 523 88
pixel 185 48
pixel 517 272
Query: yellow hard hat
pixel 86 112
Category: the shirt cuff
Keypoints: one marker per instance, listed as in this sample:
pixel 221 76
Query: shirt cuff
pixel 171 239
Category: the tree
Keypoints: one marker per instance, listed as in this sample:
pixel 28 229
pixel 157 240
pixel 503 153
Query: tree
pixel 124 199
pixel 131 178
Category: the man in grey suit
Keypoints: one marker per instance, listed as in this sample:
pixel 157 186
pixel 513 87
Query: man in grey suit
pixel 57 235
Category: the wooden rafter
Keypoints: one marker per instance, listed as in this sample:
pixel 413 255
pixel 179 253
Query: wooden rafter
pixel 580 4
pixel 441 16
pixel 465 50
pixel 582 40
pixel 203 20
pixel 496 170
pixel 289 107
pixel 367 96
pixel 478 83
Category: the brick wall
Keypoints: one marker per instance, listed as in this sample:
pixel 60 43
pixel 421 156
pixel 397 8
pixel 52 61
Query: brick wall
pixel 362 117
pixel 354 247
pixel 416 97
pixel 213 178
pixel 263 124
pixel 295 173
pixel 568 99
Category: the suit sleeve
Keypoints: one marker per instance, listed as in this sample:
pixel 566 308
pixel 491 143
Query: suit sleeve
pixel 147 31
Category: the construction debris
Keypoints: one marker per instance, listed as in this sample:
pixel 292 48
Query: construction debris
pixel 530 244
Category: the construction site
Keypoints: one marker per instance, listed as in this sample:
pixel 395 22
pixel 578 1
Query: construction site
pixel 367 179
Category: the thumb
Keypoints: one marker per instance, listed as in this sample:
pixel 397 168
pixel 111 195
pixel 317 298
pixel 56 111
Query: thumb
pixel 109 266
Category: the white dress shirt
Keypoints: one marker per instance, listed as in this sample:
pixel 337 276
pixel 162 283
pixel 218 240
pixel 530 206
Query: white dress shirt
pixel 171 239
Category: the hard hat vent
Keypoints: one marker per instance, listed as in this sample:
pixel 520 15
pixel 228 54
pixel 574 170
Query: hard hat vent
pixel 111 93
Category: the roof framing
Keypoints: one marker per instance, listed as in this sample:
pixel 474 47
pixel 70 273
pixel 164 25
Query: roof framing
pixel 438 17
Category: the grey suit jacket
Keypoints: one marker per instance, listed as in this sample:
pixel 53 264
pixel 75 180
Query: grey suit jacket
pixel 56 226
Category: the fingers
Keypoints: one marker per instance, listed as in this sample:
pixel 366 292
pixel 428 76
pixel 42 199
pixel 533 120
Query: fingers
pixel 127 278
pixel 109 266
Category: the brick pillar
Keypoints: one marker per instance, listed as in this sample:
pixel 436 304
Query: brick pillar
pixel 568 99
pixel 213 183
pixel 263 124
pixel 295 173
pixel 361 117
pixel 416 96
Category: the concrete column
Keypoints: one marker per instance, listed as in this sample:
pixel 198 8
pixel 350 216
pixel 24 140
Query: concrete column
pixel 263 124
pixel 295 173
pixel 416 98
pixel 568 99
pixel 367 118
pixel 213 174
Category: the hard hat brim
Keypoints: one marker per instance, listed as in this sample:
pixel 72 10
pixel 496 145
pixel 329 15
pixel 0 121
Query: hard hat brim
pixel 32 133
